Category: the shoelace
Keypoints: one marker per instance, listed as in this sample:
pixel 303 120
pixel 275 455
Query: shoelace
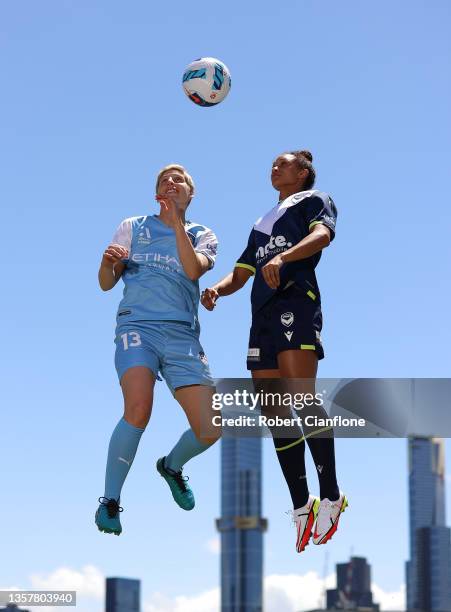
pixel 290 514
pixel 181 481
pixel 325 503
pixel 111 505
pixel 293 515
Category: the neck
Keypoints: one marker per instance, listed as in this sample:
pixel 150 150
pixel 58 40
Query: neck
pixel 289 190
pixel 166 219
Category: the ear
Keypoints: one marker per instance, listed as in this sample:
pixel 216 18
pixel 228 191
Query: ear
pixel 303 174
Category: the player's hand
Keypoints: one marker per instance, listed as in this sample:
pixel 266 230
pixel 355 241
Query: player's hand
pixel 170 208
pixel 113 254
pixel 271 272
pixel 208 298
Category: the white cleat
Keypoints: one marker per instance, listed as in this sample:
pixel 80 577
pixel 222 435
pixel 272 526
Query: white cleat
pixel 328 517
pixel 304 519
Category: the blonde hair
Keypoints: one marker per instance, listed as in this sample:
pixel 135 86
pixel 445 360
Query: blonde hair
pixel 188 177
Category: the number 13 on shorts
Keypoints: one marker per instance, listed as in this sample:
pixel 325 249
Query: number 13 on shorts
pixel 131 339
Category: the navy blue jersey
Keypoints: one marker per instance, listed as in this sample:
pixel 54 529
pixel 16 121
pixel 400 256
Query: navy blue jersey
pixel 281 228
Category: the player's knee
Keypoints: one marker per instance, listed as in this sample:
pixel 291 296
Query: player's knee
pixel 208 438
pixel 211 440
pixel 137 413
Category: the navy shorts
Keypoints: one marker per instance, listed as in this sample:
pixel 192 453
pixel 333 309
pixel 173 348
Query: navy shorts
pixel 291 320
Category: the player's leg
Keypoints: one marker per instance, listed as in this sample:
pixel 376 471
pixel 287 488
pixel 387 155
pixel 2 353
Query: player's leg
pixel 298 369
pixel 185 369
pixel 301 365
pixel 137 368
pixel 289 444
pixel 196 401
pixel 290 449
pixel 296 322
pixel 137 387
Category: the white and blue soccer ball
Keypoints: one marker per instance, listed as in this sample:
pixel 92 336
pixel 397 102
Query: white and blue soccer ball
pixel 206 81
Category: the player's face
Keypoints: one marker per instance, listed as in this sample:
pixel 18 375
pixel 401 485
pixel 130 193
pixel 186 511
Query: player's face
pixel 173 185
pixel 285 172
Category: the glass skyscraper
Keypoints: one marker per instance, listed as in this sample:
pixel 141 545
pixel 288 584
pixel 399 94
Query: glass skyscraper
pixel 241 525
pixel 122 595
pixel 428 571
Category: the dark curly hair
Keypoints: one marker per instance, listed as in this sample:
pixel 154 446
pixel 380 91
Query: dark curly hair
pixel 305 159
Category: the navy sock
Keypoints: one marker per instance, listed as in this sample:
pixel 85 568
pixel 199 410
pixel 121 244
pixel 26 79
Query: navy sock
pixel 291 456
pixel 121 452
pixel 288 442
pixel 186 448
pixel 323 453
pixel 320 441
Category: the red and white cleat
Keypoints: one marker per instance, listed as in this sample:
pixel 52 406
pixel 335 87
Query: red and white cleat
pixel 304 519
pixel 328 517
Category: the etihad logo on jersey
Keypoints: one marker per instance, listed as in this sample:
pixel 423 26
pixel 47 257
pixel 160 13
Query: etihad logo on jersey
pixel 275 244
pixel 151 258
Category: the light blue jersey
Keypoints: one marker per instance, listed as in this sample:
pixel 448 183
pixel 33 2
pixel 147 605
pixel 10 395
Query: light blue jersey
pixel 156 286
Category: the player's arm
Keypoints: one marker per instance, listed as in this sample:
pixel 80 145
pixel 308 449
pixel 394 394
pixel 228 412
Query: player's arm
pixel 320 214
pixel 194 264
pixel 111 266
pixel 317 240
pixel 233 281
pixel 228 285
pixel 245 267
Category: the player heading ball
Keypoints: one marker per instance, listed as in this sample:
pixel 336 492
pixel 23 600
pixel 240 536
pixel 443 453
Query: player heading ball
pixel 283 250
pixel 160 259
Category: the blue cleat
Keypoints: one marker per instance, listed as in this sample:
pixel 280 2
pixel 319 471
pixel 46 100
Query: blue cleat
pixel 181 492
pixel 107 516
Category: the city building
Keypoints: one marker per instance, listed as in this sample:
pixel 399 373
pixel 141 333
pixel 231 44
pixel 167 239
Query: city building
pixel 353 589
pixel 428 571
pixel 122 595
pixel 241 525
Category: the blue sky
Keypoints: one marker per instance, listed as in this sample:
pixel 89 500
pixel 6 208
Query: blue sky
pixel 91 108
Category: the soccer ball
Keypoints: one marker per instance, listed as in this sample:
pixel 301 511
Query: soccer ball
pixel 206 81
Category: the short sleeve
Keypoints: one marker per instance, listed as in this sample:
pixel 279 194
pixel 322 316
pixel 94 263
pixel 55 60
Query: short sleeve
pixel 123 234
pixel 247 258
pixel 320 208
pixel 207 244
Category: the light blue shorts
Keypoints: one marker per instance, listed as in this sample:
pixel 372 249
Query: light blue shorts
pixel 171 348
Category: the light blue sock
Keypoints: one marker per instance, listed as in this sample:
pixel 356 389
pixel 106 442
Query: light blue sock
pixel 121 452
pixel 186 448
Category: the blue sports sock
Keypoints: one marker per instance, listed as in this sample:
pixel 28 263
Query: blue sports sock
pixel 186 448
pixel 121 452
